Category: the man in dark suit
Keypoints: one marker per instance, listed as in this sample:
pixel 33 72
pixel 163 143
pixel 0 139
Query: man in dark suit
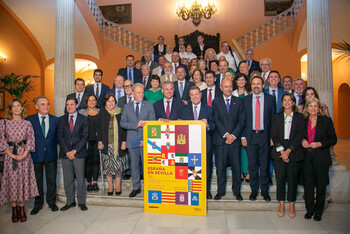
pixel 200 48
pixel 79 85
pixel 175 63
pixel 259 110
pixel 182 86
pixel 287 84
pixel 45 129
pixel 134 117
pixel 98 88
pixel 146 76
pixel 118 90
pixel 128 97
pixel 223 67
pixel 212 91
pixel 155 58
pixel 169 107
pixel 229 122
pixel 253 65
pixel 148 61
pixel 198 110
pixel 72 133
pixel 181 43
pixel 160 48
pixel 274 79
pixel 129 72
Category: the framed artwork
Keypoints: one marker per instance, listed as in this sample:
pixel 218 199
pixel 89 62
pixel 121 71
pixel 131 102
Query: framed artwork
pixel 2 100
pixel 119 14
pixel 274 7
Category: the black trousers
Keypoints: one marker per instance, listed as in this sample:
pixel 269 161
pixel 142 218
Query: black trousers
pixel 314 176
pixel 228 154
pixel 51 175
pixel 209 163
pixel 286 172
pixel 92 162
pixel 258 158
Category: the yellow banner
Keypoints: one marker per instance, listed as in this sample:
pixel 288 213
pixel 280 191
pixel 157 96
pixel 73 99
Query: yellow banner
pixel 175 167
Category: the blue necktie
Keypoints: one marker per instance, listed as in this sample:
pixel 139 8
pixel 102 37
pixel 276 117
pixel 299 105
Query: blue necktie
pixel 118 96
pixel 228 105
pixel 130 75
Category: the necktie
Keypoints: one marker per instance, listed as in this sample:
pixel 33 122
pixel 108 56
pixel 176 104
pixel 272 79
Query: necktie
pixel 129 99
pixel 274 93
pixel 195 114
pixel 97 91
pixel 168 78
pixel 137 110
pixel 71 123
pixel 248 63
pixel 175 66
pixel 167 112
pixel 210 98
pixel 130 76
pixel 299 99
pixel 118 96
pixel 257 113
pixel 181 88
pixel 228 105
pixel 43 124
pixel 78 99
pixel 264 76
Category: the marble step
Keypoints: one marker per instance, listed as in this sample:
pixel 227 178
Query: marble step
pixel 228 202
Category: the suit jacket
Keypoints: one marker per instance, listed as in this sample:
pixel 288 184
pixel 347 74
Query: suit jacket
pixel 186 92
pixel 152 65
pixel 206 112
pixel 122 101
pixel 148 84
pixel 90 90
pixel 163 78
pixel 269 112
pixel 129 120
pixel 156 51
pixel 137 75
pixel 155 58
pixel 76 140
pixel 102 131
pixel 295 138
pixel 175 111
pixel 45 147
pixel 218 93
pixel 255 66
pixel 325 134
pixel 155 71
pixel 231 123
pixel 280 93
pixel 82 101
pixel 218 82
pixel 197 50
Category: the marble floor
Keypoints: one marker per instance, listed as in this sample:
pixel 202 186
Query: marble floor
pixel 102 219
pixel 342 150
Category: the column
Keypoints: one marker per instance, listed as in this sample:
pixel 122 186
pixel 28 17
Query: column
pixel 64 54
pixel 319 51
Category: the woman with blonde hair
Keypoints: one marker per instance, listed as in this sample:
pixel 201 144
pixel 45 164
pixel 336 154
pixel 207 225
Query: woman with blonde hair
pixel 210 55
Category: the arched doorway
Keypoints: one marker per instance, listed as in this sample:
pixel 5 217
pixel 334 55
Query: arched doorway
pixel 344 111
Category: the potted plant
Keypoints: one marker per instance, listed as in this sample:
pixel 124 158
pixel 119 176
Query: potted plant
pixel 344 50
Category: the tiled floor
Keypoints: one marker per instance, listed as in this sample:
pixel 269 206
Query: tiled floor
pixel 102 219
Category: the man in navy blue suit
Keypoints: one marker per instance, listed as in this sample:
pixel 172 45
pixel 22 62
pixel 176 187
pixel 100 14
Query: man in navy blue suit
pixel 229 122
pixel 198 110
pixel 223 67
pixel 175 63
pixel 79 94
pixel 259 110
pixel 169 107
pixel 273 89
pixel 45 129
pixel 129 72
pixel 182 86
pixel 253 65
pixel 118 90
pixel 97 88
pixel 212 91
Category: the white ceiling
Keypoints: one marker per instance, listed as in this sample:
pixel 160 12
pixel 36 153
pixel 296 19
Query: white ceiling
pixel 39 18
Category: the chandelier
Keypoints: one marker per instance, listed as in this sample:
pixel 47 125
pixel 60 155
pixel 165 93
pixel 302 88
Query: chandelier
pixel 196 10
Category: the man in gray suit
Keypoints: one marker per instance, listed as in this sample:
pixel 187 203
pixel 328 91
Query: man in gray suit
pixel 134 117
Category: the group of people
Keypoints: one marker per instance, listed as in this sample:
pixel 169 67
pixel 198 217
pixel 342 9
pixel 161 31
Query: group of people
pixel 251 115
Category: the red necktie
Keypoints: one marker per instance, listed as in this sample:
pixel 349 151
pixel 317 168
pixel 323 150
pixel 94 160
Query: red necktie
pixel 144 80
pixel 168 77
pixel 167 112
pixel 129 99
pixel 175 66
pixel 257 113
pixel 71 123
pixel 210 99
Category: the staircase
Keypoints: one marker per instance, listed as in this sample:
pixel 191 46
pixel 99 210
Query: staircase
pixel 270 29
pixel 117 33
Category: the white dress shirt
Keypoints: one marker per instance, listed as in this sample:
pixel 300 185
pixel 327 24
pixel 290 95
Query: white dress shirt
pixel 287 125
pixel 99 89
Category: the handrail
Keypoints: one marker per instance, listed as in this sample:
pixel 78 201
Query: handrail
pixel 118 33
pixel 268 30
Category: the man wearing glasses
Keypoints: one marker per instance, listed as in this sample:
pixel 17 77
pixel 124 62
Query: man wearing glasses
pixel 128 94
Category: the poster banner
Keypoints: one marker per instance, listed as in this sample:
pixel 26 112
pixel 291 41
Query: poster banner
pixel 175 167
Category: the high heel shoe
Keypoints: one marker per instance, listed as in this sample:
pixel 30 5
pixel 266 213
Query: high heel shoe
pixel 15 216
pixel 22 214
pixel 280 214
pixel 292 215
pixel 118 193
pixel 109 193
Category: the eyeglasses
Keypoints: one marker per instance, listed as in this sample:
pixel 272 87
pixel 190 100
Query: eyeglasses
pixel 127 86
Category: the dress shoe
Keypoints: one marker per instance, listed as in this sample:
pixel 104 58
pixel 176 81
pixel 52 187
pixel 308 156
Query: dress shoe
pixel 141 177
pixel 242 179
pixel 89 187
pixel 35 210
pixel 218 196
pixel 22 214
pixel 67 206
pixel 247 180
pixel 118 193
pixel 308 215
pixel 134 193
pixel 238 196
pixel 53 207
pixel 15 216
pixel 126 177
pixel 266 196
pixel 253 195
pixel 317 217
pixel 95 187
pixel 209 196
pixel 83 207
